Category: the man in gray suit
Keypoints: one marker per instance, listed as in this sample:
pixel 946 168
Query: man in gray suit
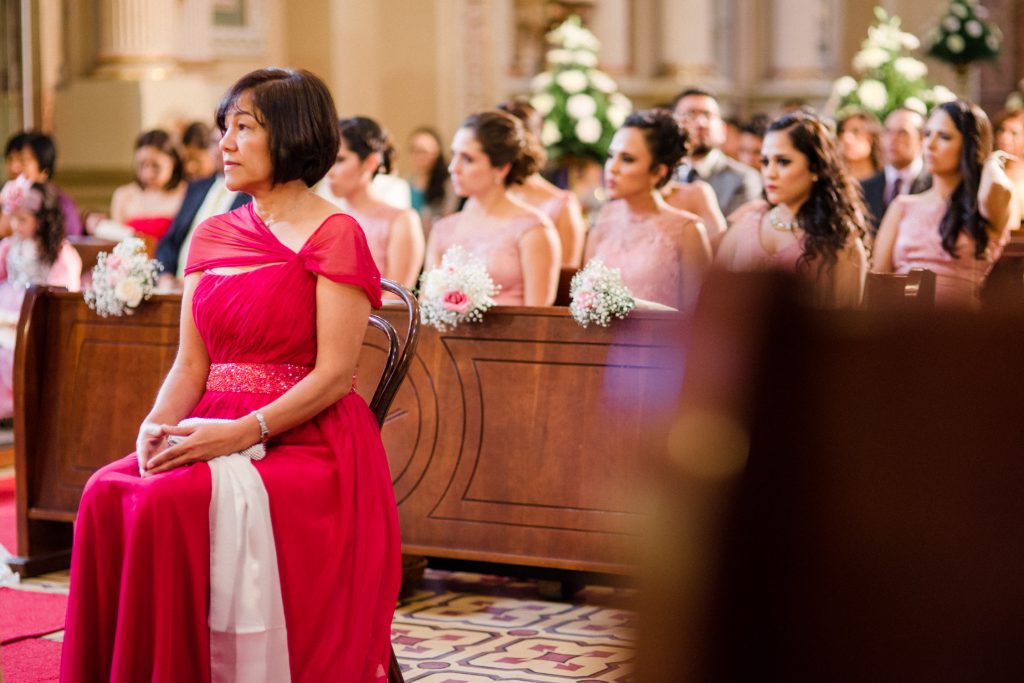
pixel 734 183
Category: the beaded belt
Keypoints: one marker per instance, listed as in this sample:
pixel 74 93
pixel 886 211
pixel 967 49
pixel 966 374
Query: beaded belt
pixel 255 378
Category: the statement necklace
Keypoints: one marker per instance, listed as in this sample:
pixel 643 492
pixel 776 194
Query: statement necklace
pixel 779 224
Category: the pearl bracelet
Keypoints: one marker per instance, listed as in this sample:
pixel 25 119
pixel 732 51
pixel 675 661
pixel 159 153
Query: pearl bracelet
pixel 264 431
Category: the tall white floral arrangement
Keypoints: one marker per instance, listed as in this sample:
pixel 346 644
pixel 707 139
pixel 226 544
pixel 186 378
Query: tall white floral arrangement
pixel 581 104
pixel 888 76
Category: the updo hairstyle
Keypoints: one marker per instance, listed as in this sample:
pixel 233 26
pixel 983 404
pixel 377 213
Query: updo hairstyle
pixel 666 139
pixel 504 140
pixel 364 136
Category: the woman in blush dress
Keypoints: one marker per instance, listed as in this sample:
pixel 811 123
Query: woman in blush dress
pixel 813 218
pixel 147 206
pixel 661 251
pixel 561 206
pixel 492 153
pixel 395 235
pixel 860 142
pixel 957 228
pixel 1009 138
pixel 261 544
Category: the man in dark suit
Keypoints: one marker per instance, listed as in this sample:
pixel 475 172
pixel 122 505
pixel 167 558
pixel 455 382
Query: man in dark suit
pixel 904 170
pixel 734 183
pixel 204 198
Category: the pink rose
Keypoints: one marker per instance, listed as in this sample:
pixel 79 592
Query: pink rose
pixel 586 299
pixel 456 301
pixel 114 261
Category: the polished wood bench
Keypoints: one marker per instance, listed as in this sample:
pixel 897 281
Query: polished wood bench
pixel 511 441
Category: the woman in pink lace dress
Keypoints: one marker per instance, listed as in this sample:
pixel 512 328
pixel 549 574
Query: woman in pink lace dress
pixel 661 251
pixel 491 153
pixel 811 221
pixel 561 206
pixel 395 235
pixel 957 228
pixel 274 310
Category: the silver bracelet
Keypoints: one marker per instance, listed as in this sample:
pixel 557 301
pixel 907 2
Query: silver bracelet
pixel 264 431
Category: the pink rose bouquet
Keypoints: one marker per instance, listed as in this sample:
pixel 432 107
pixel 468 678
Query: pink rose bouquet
pixel 598 295
pixel 123 279
pixel 458 290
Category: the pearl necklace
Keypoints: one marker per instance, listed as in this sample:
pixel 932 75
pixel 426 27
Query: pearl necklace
pixel 779 224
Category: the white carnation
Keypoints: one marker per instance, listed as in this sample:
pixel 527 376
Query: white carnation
pixel 910 68
pixel 909 41
pixel 916 104
pixel 541 81
pixel 951 24
pixel 992 41
pixel 602 81
pixel 129 291
pixel 543 103
pixel 580 106
pixel 973 28
pixel 585 58
pixel 617 115
pixel 959 10
pixel 870 58
pixel 559 56
pixel 621 101
pixel 572 80
pixel 844 86
pixel 943 94
pixel 872 94
pixel 549 134
pixel 955 43
pixel 588 130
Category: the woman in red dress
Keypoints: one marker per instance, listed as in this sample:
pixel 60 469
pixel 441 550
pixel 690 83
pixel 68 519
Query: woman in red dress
pixel 263 284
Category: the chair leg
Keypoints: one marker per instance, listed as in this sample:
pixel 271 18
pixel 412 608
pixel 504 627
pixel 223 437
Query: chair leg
pixel 394 670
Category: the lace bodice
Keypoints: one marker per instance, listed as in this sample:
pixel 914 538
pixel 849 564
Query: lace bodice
pixel 25 267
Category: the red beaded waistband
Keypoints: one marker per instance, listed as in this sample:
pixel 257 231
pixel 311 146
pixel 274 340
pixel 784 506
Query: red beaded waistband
pixel 255 378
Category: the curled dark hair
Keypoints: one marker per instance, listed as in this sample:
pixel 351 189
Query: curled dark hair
pixel 962 210
pixel 43 150
pixel 439 169
pixel 50 229
pixel 834 209
pixel 162 141
pixel 504 140
pixel 298 113
pixel 873 128
pixel 15 143
pixel 665 137
pixel 364 136
pixel 532 120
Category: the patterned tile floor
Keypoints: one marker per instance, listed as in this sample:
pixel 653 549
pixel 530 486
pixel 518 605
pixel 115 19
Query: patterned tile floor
pixel 461 627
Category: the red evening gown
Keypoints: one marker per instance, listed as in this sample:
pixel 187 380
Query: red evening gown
pixel 140 573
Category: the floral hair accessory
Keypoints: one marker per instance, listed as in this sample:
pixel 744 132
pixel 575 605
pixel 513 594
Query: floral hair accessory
pixel 598 295
pixel 123 279
pixel 458 290
pixel 19 194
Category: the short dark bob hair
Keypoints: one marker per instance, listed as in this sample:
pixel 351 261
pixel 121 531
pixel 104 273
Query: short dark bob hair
pixel 298 113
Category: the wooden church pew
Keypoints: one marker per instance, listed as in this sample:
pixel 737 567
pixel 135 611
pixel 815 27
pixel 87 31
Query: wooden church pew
pixel 511 441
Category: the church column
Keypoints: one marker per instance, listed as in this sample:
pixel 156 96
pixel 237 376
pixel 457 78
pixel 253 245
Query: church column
pixel 137 38
pixel 801 39
pixel 612 25
pixel 687 40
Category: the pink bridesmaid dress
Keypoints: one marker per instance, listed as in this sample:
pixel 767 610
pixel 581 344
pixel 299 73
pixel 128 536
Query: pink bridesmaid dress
pixel 496 244
pixel 376 225
pixel 648 252
pixel 140 573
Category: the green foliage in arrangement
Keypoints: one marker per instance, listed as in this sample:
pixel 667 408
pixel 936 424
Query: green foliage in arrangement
pixel 964 35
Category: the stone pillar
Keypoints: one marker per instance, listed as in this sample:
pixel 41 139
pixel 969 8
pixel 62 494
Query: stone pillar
pixel 802 39
pixel 687 34
pixel 194 45
pixel 137 38
pixel 612 27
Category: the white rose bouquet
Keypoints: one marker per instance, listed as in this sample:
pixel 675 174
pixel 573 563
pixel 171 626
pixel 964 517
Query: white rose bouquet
pixel 598 295
pixel 123 279
pixel 458 290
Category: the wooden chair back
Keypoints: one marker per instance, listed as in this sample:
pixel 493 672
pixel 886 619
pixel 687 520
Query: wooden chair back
pixel 915 289
pixel 844 492
pixel 400 351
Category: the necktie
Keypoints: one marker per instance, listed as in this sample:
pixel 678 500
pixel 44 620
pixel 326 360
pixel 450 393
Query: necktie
pixel 896 187
pixel 692 175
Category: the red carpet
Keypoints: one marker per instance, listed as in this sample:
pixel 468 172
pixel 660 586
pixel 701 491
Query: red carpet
pixel 31 661
pixel 8 520
pixel 30 613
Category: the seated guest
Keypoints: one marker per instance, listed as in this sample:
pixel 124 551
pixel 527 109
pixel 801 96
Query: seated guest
pixel 661 251
pixel 1009 138
pixel 432 193
pixel 491 153
pixel 860 142
pixel 561 206
pixel 195 155
pixel 751 138
pixel 904 170
pixel 36 253
pixel 957 228
pixel 394 235
pixel 12 154
pixel 203 198
pixel 734 183
pixel 811 221
pixel 38 159
pixel 147 206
